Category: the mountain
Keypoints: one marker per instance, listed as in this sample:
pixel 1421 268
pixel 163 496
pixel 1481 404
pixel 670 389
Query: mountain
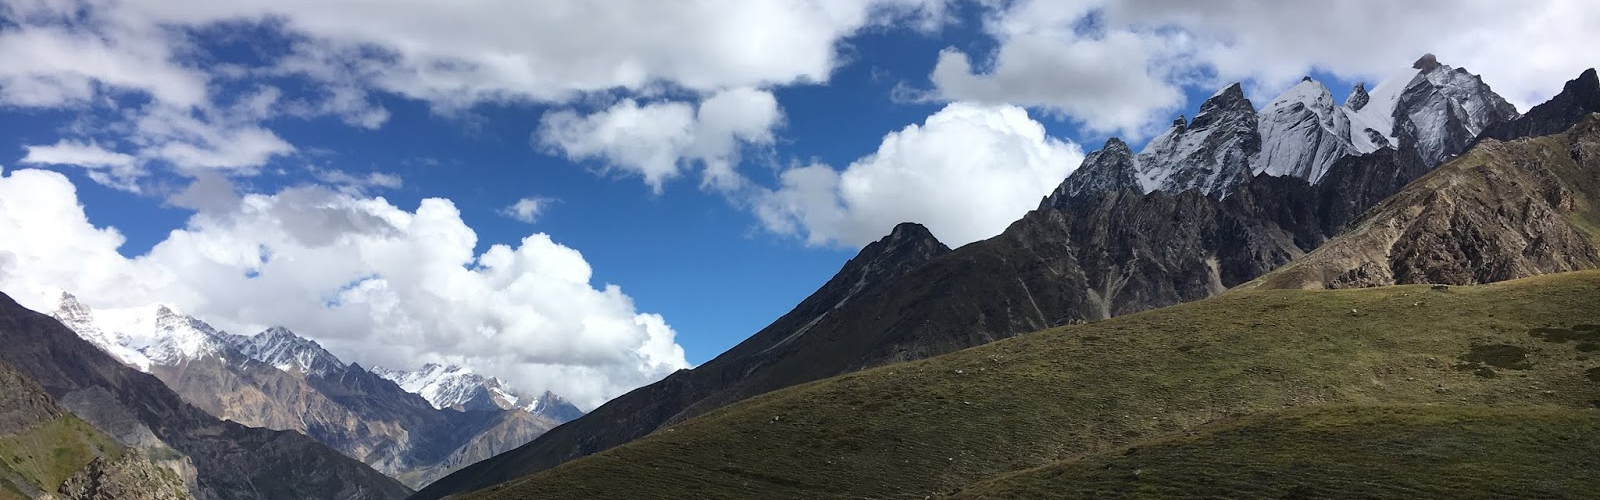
pixel 281 348
pixel 1578 98
pixel 230 461
pixel 459 388
pixel 1273 384
pixel 1180 221
pixel 1430 114
pixel 279 380
pixel 1503 210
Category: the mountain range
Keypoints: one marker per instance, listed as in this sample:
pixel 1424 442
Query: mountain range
pixel 1294 292
pixel 279 380
pixel 219 459
pixel 1208 205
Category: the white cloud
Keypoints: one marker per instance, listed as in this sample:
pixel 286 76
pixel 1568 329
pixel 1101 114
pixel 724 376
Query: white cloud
pixel 1526 51
pixel 375 283
pixel 109 168
pixel 357 184
pixel 454 54
pixel 77 153
pixel 50 66
pixel 966 173
pixel 86 54
pixel 1119 65
pixel 659 141
pixel 527 210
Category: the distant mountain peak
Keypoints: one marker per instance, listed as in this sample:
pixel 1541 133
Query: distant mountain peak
pixel 282 348
pixel 458 387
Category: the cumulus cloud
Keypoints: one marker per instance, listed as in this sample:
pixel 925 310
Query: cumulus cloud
pixel 1111 82
pixel 966 173
pixel 659 141
pixel 375 283
pixel 528 209
pixel 1119 66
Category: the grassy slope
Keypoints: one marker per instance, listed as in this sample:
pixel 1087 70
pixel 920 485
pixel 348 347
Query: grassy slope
pixel 47 454
pixel 933 426
pixel 1341 452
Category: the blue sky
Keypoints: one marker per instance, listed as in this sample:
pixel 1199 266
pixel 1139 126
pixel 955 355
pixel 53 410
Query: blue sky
pixel 945 113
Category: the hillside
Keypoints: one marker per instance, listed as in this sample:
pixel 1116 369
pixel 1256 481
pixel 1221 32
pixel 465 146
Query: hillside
pixel 1377 453
pixel 41 443
pixel 1502 210
pixel 937 425
pixel 44 450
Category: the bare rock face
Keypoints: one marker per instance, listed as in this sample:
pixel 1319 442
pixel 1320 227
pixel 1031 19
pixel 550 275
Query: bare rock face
pixel 1505 210
pixel 131 477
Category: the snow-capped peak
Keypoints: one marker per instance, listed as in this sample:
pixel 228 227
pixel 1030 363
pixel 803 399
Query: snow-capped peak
pixel 155 334
pixel 452 386
pixel 281 348
pixel 1303 132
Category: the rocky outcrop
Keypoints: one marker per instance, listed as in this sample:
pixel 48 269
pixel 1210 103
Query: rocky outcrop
pixel 1505 210
pixel 232 461
pixel 131 477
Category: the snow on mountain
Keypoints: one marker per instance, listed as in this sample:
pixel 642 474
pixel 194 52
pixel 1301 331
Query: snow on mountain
pixel 144 335
pixel 1431 111
pixel 451 386
pixel 287 351
pixel 1303 132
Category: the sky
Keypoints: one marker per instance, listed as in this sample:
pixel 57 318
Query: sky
pixel 585 196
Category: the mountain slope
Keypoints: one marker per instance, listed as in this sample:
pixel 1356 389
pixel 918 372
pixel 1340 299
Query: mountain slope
pixel 1504 210
pixel 932 426
pixel 1377 453
pixel 41 443
pixel 775 356
pixel 232 461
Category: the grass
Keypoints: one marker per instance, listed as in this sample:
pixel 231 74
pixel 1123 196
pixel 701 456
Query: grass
pixel 935 426
pixel 1340 452
pixel 47 454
